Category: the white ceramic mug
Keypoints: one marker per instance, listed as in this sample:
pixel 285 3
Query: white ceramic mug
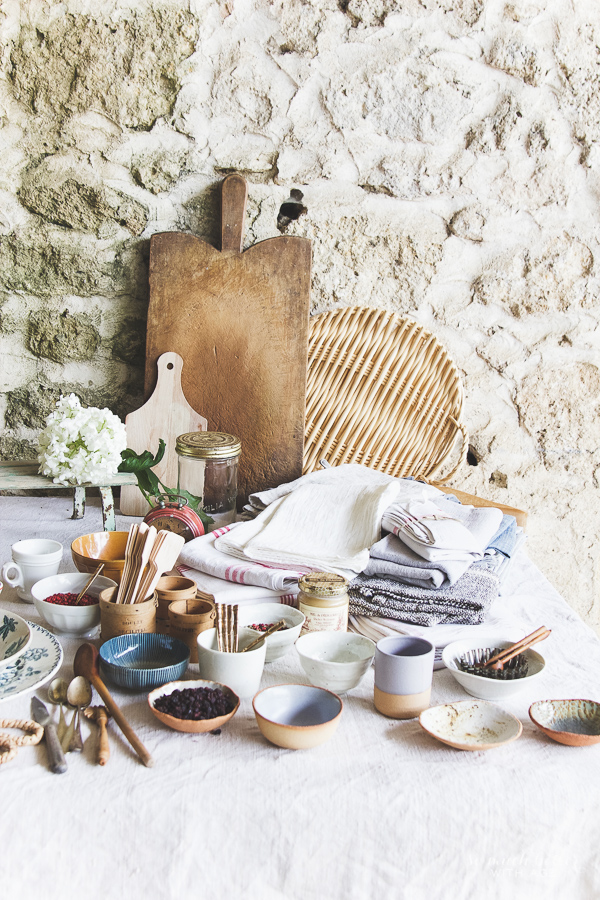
pixel 403 674
pixel 239 671
pixel 31 561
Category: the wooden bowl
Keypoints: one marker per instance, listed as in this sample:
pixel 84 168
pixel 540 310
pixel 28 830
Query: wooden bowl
pixel 572 722
pixel 192 726
pixel 89 550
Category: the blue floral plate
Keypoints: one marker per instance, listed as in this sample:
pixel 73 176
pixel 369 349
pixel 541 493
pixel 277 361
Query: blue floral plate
pixel 37 665
pixel 15 637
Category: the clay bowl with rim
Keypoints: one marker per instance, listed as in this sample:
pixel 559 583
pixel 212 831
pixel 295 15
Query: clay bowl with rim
pixel 572 722
pixel 192 726
pixel 471 725
pixel 89 550
pixel 297 716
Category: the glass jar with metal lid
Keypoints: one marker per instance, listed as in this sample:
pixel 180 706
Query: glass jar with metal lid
pixel 207 468
pixel 323 599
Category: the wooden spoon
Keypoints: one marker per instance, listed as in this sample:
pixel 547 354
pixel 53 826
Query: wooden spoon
pixel 100 715
pixel 86 664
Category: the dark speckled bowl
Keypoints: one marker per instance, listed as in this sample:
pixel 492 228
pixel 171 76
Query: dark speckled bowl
pixel 143 661
pixel 572 722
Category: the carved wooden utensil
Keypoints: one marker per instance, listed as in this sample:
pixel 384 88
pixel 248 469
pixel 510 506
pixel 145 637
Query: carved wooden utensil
pixel 240 323
pixel 86 663
pixel 100 715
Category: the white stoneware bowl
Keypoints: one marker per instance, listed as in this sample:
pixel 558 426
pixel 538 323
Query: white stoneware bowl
pixel 15 636
pixel 297 716
pixel 490 688
pixel 281 642
pixel 335 660
pixel 471 725
pixel 70 619
pixel 239 671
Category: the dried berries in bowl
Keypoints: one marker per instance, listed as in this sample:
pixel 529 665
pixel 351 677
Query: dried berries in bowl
pixel 194 706
pixel 71 600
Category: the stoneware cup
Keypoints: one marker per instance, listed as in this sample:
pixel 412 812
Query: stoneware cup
pixel 32 560
pixel 403 674
pixel 239 671
pixel 188 619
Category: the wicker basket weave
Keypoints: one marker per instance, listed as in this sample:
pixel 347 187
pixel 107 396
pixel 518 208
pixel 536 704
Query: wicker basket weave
pixel 381 391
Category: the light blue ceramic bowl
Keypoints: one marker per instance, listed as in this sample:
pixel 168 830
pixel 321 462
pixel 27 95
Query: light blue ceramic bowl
pixel 143 661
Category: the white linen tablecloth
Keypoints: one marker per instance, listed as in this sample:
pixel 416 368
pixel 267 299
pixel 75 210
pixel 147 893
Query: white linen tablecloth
pixel 381 811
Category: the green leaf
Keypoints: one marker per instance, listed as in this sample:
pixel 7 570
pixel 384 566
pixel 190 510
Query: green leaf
pixel 138 462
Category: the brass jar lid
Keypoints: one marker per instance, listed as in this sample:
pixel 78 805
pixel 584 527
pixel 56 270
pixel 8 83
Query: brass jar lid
pixel 208 445
pixel 323 584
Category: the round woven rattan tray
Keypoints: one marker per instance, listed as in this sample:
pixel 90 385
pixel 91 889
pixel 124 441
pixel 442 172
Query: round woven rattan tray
pixel 381 391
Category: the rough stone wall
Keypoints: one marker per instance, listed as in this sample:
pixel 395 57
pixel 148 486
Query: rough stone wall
pixel 442 155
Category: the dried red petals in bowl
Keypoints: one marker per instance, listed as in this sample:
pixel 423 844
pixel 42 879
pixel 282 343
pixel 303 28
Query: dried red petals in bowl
pixel 264 626
pixel 70 600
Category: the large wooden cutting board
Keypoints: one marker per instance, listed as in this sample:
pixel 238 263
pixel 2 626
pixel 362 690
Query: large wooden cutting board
pixel 240 322
pixel 165 415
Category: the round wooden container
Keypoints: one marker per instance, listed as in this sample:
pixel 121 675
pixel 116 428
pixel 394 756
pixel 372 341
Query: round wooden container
pixel 125 618
pixel 187 618
pixel 169 589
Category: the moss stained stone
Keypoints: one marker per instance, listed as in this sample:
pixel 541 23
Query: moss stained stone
pixel 61 337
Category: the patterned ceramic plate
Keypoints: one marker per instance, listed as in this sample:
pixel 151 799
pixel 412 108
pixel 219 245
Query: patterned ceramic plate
pixel 15 637
pixel 35 667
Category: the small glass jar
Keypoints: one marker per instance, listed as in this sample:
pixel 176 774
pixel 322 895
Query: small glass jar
pixel 323 599
pixel 207 468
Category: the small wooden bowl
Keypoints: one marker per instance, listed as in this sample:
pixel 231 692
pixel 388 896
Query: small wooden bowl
pixel 192 726
pixel 89 550
pixel 572 722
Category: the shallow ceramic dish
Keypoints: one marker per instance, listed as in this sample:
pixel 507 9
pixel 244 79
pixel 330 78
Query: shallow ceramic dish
pixel 471 725
pixel 192 726
pixel 281 642
pixel 89 550
pixel 71 619
pixel 142 661
pixel 15 637
pixel 335 660
pixel 297 716
pixel 490 688
pixel 572 722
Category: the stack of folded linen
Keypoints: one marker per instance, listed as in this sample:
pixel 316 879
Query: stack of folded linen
pixel 324 521
pixel 441 565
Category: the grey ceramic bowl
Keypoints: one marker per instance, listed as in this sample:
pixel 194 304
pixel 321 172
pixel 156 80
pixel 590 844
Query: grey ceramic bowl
pixel 143 661
pixel 572 722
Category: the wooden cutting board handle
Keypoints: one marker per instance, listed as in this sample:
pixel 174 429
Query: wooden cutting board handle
pixel 234 195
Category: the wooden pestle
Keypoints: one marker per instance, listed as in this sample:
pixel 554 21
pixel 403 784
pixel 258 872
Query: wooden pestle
pixel 99 715
pixel 86 664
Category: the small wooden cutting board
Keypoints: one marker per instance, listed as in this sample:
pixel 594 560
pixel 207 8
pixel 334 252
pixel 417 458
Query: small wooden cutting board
pixel 240 322
pixel 165 415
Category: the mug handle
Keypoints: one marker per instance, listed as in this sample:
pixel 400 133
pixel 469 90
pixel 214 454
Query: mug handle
pixel 18 582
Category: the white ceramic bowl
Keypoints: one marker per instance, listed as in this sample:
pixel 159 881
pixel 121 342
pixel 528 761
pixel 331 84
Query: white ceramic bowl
pixel 70 619
pixel 15 635
pixel 490 688
pixel 281 642
pixel 297 716
pixel 335 660
pixel 239 671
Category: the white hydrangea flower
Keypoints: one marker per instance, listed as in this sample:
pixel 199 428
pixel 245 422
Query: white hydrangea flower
pixel 80 444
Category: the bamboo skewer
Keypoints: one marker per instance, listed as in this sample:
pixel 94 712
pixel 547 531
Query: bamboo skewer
pixel 498 661
pixel 88 583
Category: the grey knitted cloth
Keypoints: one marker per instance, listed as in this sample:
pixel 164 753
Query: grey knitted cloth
pixel 464 603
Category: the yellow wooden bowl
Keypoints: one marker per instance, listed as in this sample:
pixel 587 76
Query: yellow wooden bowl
pixel 89 550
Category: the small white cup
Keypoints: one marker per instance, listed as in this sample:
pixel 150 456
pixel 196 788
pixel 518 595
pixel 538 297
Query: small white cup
pixel 239 671
pixel 403 673
pixel 32 560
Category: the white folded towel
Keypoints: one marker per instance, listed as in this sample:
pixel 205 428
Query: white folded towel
pixel 202 556
pixel 326 523
pixel 229 592
pixel 459 533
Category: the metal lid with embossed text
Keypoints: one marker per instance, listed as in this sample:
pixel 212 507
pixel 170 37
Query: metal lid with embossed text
pixel 208 445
